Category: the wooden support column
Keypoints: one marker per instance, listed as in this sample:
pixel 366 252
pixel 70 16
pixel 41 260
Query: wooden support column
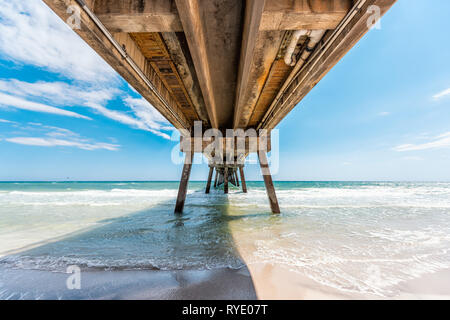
pixel 225 187
pixel 231 175
pixel 208 184
pixel 184 182
pixel 268 182
pixel 244 185
pixel 215 180
pixel 236 177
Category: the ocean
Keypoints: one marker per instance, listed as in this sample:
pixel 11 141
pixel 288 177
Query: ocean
pixel 361 237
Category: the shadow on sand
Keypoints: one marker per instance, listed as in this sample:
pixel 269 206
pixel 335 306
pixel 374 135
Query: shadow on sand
pixel 150 254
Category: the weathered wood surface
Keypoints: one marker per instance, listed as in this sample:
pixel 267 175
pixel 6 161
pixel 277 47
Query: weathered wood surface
pixel 213 30
pixel 243 182
pixel 208 184
pixel 182 190
pixel 268 182
pixel 138 16
pixel 215 180
pixel 226 176
pixel 304 14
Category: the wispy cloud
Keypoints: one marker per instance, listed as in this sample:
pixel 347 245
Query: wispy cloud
pixel 51 142
pixel 7 121
pixel 33 35
pixel 146 117
pixel 442 94
pixel 18 103
pixel 384 114
pixel 51 136
pixel 438 142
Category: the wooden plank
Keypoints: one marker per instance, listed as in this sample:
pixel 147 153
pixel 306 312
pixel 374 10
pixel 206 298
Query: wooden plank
pixel 134 23
pixel 179 53
pixel 138 16
pixel 182 190
pixel 268 182
pixel 252 21
pixel 208 184
pixel 93 36
pixel 227 144
pixel 323 60
pixel 244 184
pixel 304 14
pixel 189 11
pixel 154 49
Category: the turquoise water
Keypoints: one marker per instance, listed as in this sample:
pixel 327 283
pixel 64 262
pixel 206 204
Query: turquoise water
pixel 355 236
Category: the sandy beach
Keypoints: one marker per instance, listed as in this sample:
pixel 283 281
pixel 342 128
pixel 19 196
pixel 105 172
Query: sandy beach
pixel 219 284
pixel 263 282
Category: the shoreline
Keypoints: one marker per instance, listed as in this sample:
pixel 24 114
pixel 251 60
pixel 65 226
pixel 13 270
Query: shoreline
pixel 257 281
pixel 217 284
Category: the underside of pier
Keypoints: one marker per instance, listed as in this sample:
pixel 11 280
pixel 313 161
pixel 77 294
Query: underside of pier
pixel 226 64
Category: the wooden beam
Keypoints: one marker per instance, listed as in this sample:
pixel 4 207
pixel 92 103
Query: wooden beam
pixel 237 178
pixel 268 182
pixel 215 180
pixel 326 56
pixel 182 190
pixel 221 179
pixel 232 178
pixel 189 11
pixel 304 14
pixel 225 175
pixel 253 14
pixel 138 16
pixel 93 36
pixel 244 184
pixel 208 184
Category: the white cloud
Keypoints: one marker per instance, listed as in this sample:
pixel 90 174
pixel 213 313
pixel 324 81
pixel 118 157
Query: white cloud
pixel 146 116
pixel 59 93
pixel 51 142
pixel 384 114
pixel 439 142
pixel 442 94
pixel 7 121
pixel 18 103
pixel 37 134
pixel 32 34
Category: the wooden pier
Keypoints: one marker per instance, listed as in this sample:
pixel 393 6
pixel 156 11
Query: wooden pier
pixel 227 64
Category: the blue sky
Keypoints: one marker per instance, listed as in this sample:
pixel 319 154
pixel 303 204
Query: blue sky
pixel 383 113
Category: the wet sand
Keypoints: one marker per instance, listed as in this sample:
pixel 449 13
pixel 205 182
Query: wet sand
pixel 282 282
pixel 264 282
pixel 219 284
pixel 274 282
